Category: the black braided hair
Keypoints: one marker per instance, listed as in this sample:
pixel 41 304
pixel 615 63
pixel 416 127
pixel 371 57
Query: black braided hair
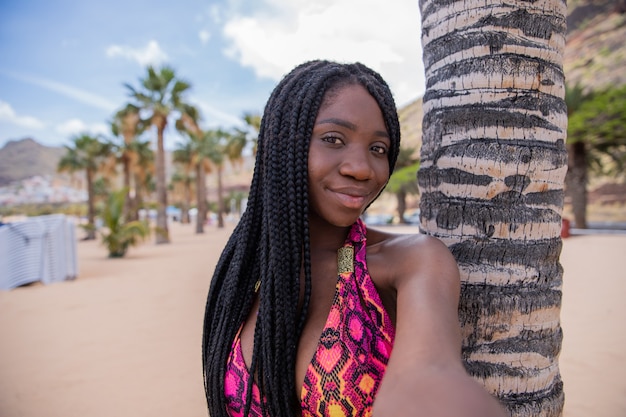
pixel 271 241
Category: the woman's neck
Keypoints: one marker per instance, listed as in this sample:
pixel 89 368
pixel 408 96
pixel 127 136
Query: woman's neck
pixel 325 236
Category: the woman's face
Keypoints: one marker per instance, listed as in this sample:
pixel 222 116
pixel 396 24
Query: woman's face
pixel 348 161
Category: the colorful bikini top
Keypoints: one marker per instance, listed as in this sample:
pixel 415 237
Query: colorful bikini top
pixel 351 357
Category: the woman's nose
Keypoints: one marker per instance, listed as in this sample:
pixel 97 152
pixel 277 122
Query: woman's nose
pixel 357 164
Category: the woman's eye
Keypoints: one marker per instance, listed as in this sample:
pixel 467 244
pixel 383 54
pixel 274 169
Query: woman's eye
pixel 379 149
pixel 332 139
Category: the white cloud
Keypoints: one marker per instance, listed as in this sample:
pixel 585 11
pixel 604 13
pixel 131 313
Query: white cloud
pixel 204 36
pixel 385 38
pixel 76 126
pixel 214 117
pixel 81 96
pixel 8 114
pixel 152 54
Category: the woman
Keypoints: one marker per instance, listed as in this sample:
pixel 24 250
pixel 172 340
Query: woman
pixel 306 305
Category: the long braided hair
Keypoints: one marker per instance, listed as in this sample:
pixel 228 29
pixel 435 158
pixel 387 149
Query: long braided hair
pixel 271 243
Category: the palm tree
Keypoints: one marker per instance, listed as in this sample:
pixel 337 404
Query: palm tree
pixel 189 120
pixel 403 180
pixel 216 153
pixel 596 140
pixel 600 122
pixel 236 141
pixel 161 93
pixel 576 177
pixel 200 146
pixel 221 144
pixel 127 123
pixel 143 174
pixel 208 156
pixel 87 154
pixel 120 234
pixel 493 162
pixel 253 121
pixel 184 158
pixel 181 186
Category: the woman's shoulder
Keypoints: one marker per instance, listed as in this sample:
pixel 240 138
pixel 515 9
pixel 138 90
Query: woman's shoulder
pixel 399 256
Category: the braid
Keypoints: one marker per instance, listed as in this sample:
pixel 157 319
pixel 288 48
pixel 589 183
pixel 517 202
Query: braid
pixel 271 241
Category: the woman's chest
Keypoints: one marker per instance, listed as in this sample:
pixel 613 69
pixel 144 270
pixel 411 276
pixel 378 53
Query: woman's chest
pixel 348 316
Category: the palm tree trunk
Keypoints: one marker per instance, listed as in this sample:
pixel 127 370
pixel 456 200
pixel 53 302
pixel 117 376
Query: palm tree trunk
pixel 220 198
pixel 184 218
pixel 91 211
pixel 130 121
pixel 577 182
pixel 401 199
pixel 128 200
pixel 162 235
pixel 492 169
pixel 137 199
pixel 200 197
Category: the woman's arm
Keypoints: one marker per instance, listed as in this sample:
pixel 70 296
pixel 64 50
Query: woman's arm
pixel 425 375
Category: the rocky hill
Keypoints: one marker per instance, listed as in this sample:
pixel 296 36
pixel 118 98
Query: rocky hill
pixel 25 158
pixel 595 52
pixel 411 124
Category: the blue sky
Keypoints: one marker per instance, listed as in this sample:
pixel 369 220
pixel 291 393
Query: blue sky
pixel 64 63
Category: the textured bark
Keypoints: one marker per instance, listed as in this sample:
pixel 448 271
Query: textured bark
pixel 493 164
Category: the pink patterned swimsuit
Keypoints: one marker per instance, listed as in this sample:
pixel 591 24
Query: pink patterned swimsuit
pixel 351 358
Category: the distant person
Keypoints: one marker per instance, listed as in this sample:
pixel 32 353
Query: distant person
pixel 309 313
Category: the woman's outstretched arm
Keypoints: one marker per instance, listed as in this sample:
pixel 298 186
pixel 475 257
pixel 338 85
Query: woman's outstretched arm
pixel 425 375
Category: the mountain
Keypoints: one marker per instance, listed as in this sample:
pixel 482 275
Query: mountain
pixel 410 117
pixel 595 49
pixel 21 159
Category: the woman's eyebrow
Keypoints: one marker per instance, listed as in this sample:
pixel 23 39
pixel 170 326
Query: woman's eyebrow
pixel 348 125
pixel 339 122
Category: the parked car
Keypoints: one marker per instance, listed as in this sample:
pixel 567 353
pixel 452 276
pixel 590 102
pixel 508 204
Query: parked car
pixel 413 217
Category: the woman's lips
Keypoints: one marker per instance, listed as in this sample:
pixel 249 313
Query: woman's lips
pixel 354 199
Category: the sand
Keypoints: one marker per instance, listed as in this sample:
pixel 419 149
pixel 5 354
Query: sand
pixel 124 338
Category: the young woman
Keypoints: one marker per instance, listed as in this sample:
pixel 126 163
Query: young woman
pixel 309 313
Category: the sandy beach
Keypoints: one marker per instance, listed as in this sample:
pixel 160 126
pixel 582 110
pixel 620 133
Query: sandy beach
pixel 124 338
